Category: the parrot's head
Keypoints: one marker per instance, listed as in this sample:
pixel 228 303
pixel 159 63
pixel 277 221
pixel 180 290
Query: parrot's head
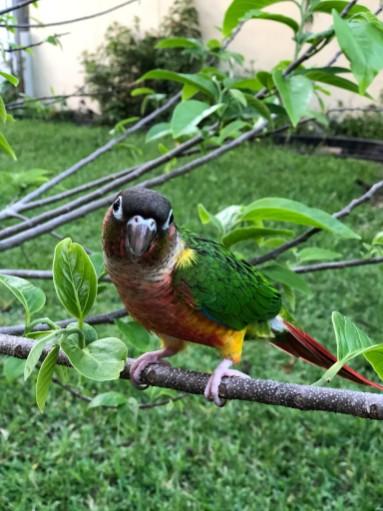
pixel 138 225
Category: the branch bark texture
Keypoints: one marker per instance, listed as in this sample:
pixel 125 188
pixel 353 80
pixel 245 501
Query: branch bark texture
pixel 367 405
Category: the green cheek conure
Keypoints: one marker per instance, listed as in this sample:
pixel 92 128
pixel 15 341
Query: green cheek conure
pixel 189 289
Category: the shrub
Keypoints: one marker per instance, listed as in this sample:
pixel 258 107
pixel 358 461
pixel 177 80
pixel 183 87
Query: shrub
pixel 125 55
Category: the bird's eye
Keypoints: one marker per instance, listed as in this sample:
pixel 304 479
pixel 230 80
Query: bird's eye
pixel 169 220
pixel 117 209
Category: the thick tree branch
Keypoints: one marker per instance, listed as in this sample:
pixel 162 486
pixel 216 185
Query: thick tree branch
pixel 367 405
pixel 66 22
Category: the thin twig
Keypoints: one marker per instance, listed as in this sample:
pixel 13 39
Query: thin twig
pixel 89 185
pixel 33 232
pixel 346 210
pixel 11 209
pixel 337 265
pixel 142 406
pixel 367 405
pixel 19 5
pixel 39 43
pixel 99 319
pixel 126 176
pixel 74 392
pixel 66 22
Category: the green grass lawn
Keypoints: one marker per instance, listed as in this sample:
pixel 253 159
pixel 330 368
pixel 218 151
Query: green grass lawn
pixel 190 455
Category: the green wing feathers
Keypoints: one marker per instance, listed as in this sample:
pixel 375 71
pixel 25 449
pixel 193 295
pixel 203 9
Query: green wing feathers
pixel 225 289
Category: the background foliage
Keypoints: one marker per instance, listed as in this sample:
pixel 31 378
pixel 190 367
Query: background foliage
pixel 127 54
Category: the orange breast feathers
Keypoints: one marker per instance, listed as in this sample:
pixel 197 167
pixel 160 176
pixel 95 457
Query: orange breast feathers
pixel 151 299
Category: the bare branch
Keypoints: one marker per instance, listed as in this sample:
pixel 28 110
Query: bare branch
pixel 99 319
pixel 27 274
pixel 337 265
pixel 125 177
pixel 142 406
pixel 367 405
pixel 75 20
pixel 17 6
pixel 14 208
pixel 71 214
pixel 39 43
pixel 365 197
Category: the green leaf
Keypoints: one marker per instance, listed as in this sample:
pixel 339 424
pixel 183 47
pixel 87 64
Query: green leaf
pixel 266 79
pixel 120 126
pixel 160 130
pixel 6 147
pixel 202 83
pixel 30 177
pixel 324 75
pixel 295 92
pixel 3 111
pixel 74 278
pixel 284 275
pixel 252 84
pixel 361 40
pixel 238 9
pixel 317 254
pixel 35 353
pixel 375 357
pixel 239 96
pixel 227 217
pixel 44 378
pixel 134 334
pixel 88 331
pixel 13 368
pixel 252 233
pixel 31 297
pixel 378 238
pixel 206 217
pixel 327 7
pixel 178 42
pixel 231 130
pixel 279 18
pixel 108 399
pixel 188 91
pixel 97 259
pixel 286 210
pixel 100 360
pixel 259 106
pixel 351 342
pixel 10 78
pixel 188 114
pixel 141 91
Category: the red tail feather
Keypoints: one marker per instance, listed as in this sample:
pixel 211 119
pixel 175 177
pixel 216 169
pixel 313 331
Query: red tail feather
pixel 299 344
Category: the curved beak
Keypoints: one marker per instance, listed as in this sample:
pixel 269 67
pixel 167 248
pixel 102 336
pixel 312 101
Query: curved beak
pixel 140 233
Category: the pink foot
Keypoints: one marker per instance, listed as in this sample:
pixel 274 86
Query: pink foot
pixel 222 371
pixel 142 362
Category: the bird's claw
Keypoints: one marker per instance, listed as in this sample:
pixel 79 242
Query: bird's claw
pixel 211 392
pixel 140 364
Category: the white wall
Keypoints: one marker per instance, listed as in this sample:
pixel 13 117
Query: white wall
pixel 263 43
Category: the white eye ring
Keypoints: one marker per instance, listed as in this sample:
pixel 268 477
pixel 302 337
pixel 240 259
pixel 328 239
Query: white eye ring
pixel 117 208
pixel 168 221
